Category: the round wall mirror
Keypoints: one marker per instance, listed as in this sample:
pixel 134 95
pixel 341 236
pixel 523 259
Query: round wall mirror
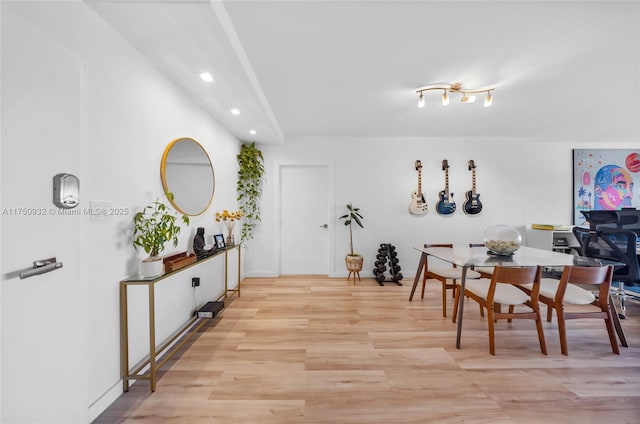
pixel 186 172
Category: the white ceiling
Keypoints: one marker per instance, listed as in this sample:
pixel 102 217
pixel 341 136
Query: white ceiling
pixel 563 70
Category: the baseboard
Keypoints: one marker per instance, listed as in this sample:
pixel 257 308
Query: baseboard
pixel 103 402
pixel 271 274
pixel 260 274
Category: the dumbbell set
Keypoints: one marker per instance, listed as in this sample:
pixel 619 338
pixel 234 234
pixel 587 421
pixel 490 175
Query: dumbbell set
pixel 387 267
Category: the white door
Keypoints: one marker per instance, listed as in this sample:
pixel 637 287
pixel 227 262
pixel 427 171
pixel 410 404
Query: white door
pixel 304 219
pixel 44 317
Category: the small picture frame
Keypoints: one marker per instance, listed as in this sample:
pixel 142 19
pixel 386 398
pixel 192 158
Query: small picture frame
pixel 219 238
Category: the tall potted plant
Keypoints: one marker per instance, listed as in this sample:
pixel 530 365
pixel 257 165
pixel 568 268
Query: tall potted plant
pixel 354 261
pixel 153 228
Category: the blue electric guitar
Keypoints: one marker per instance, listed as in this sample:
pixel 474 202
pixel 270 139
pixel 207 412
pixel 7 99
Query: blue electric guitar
pixel 418 205
pixel 446 205
pixel 472 205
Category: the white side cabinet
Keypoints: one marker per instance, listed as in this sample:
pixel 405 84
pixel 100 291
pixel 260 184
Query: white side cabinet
pixel 556 240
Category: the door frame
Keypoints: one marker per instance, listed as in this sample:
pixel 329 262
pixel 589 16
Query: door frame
pixel 331 188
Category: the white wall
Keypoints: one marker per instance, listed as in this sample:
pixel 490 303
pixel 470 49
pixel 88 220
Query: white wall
pixel 520 182
pixel 78 98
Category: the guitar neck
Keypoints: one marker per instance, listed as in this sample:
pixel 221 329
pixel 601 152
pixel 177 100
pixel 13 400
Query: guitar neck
pixel 473 182
pixel 419 181
pixel 446 182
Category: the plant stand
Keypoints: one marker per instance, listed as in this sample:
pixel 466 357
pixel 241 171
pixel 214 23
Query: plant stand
pixel 354 266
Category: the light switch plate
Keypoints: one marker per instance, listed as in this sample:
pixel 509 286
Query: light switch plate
pixel 99 210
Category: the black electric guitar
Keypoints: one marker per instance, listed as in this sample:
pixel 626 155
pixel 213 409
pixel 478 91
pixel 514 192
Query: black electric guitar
pixel 446 205
pixel 472 205
pixel 418 205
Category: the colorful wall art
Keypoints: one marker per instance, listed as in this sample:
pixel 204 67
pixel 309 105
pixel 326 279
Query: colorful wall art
pixel 605 179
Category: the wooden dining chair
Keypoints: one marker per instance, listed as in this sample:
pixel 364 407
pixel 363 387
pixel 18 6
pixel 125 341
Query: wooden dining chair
pixel 444 275
pixel 502 289
pixel 556 294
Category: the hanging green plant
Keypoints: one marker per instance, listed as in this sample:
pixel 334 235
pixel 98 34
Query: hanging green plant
pixel 249 187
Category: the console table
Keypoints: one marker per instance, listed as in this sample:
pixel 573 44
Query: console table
pixel 190 328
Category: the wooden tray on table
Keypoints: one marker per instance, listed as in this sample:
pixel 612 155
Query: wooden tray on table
pixel 177 261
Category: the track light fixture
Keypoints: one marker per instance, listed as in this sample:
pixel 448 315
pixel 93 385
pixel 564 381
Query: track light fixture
pixel 468 94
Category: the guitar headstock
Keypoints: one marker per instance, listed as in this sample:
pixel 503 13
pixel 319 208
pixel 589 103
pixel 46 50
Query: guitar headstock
pixel 418 165
pixel 445 164
pixel 472 165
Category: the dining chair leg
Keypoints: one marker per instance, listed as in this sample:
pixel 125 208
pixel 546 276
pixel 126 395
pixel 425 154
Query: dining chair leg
pixel 456 299
pixel 549 313
pixel 424 283
pixel 492 339
pixel 543 344
pixel 511 309
pixel 562 331
pixel 616 323
pixel 444 298
pixel 608 322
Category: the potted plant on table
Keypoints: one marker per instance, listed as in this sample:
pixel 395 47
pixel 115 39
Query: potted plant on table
pixel 153 228
pixel 353 260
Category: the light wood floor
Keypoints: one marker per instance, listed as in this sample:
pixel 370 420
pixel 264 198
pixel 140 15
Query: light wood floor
pixel 319 350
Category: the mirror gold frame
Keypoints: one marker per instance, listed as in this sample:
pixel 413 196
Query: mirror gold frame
pixel 186 171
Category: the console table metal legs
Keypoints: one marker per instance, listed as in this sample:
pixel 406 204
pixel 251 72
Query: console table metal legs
pixel 152 362
pixel 186 331
pixel 226 272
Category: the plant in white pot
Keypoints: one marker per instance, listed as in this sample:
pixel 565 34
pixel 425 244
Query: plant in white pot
pixel 353 260
pixel 153 228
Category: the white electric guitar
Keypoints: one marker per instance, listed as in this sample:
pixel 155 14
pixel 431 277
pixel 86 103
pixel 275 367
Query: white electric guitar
pixel 418 205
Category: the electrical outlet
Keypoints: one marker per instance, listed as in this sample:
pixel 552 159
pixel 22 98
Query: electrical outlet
pixel 195 282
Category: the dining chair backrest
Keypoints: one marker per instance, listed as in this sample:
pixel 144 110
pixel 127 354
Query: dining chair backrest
pixel 428 245
pixel 599 276
pixel 516 276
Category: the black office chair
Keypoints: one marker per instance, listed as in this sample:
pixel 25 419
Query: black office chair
pixel 596 218
pixel 613 245
pixel 581 234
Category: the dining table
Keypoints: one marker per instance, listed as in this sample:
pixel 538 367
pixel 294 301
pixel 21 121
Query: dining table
pixel 471 257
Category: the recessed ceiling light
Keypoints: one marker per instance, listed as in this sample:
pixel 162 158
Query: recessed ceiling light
pixel 252 132
pixel 235 111
pixel 206 76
